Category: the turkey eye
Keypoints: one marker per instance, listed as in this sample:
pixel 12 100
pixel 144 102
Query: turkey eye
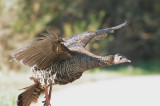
pixel 120 58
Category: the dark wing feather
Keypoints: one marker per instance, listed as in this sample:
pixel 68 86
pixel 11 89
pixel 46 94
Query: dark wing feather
pixel 43 52
pixel 30 95
pixel 84 38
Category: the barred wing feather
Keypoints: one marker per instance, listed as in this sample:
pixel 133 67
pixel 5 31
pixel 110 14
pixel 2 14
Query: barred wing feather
pixel 43 52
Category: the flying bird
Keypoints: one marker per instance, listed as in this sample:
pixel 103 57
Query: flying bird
pixel 54 60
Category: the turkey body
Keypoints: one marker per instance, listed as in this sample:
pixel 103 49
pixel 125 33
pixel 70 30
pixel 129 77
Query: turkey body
pixel 66 71
pixel 55 60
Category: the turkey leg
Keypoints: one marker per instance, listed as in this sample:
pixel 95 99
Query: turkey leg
pixel 46 94
pixel 50 91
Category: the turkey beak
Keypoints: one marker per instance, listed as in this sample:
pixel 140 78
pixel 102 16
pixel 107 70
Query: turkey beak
pixel 129 61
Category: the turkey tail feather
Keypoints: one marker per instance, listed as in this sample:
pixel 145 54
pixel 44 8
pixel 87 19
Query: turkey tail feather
pixel 30 95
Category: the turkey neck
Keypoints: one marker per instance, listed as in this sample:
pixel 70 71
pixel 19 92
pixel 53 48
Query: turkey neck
pixel 98 61
pixel 87 60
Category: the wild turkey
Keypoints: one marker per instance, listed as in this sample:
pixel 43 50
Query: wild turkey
pixel 60 61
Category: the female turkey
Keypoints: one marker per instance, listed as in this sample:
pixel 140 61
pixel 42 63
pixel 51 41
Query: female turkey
pixel 60 61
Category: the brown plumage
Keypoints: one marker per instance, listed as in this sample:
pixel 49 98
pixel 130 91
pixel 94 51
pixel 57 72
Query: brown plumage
pixel 30 94
pixel 60 61
pixel 43 52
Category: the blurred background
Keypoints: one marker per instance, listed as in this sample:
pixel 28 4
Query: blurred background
pixel 21 21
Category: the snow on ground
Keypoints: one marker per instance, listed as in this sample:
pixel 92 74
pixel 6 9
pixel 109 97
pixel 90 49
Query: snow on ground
pixel 123 91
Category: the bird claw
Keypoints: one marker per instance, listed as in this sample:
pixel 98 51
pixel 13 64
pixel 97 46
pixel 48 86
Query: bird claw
pixel 44 103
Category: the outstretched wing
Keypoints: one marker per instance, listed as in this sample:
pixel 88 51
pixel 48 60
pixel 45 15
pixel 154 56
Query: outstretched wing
pixel 43 52
pixel 83 39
